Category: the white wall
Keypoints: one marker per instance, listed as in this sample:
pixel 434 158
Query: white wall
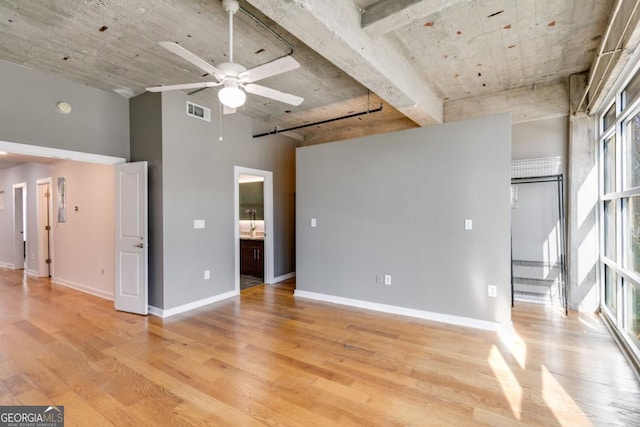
pixel 84 245
pixel 540 138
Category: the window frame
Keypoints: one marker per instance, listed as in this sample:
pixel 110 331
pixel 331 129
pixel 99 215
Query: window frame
pixel 625 112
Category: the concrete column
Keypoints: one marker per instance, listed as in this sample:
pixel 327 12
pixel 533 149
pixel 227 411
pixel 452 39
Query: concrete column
pixel 582 225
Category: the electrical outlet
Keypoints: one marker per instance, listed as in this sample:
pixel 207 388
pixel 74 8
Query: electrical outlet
pixel 207 275
pixel 387 279
pixel 493 291
pixel 379 279
pixel 313 222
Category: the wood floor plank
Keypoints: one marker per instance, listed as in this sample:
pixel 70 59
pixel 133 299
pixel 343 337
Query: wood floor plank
pixel 267 358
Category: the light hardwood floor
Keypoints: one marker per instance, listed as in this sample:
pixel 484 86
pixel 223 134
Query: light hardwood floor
pixel 266 358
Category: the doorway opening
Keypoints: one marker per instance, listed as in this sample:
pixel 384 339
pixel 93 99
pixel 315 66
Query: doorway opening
pixel 538 252
pixel 253 213
pixel 20 226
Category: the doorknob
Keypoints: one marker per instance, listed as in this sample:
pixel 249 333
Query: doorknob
pixel 139 245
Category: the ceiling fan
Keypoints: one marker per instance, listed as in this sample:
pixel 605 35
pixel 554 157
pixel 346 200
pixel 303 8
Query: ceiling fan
pixel 233 76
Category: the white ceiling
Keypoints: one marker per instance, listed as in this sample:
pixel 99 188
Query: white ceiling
pixel 411 56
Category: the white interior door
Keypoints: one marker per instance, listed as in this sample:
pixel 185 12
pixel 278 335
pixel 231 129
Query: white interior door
pixel 131 293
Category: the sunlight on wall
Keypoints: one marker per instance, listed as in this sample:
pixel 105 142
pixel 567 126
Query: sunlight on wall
pixel 550 250
pixel 511 389
pixel 583 243
pixel 587 254
pixel 564 408
pixel 587 196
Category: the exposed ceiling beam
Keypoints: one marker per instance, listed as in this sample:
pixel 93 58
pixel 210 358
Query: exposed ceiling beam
pixel 524 103
pixel 332 28
pixel 385 16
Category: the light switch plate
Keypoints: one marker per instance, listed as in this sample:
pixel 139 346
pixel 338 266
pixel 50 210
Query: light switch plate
pixel 313 222
pixel 198 223
pixel 468 224
pixel 492 290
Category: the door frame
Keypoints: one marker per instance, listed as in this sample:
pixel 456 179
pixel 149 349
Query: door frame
pixel 40 227
pixel 20 243
pixel 268 221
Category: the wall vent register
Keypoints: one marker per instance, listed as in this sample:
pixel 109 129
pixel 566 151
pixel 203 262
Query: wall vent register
pixel 198 111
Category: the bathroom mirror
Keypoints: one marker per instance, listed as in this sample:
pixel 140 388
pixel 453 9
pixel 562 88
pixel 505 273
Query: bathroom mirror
pixel 252 197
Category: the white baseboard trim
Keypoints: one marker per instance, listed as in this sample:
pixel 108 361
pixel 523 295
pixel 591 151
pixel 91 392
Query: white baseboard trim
pixel 82 288
pixel 32 273
pixel 284 277
pixel 159 312
pixel 404 311
pixel 6 265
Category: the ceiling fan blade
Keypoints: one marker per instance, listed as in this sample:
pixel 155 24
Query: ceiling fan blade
pixel 200 85
pixel 279 66
pixel 287 98
pixel 192 58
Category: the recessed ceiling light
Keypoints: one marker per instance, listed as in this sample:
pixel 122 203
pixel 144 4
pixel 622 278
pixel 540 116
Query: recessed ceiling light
pixel 64 107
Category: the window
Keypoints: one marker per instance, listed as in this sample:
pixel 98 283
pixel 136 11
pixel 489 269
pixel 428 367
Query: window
pixel 620 211
pixel 609 117
pixel 633 312
pixel 610 229
pixel 632 154
pixel 631 91
pixel 609 160
pixel 611 289
pixel 631 235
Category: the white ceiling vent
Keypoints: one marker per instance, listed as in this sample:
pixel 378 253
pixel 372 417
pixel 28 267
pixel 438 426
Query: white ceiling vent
pixel 198 111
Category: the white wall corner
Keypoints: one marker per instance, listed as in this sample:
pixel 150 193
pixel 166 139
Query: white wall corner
pixel 168 312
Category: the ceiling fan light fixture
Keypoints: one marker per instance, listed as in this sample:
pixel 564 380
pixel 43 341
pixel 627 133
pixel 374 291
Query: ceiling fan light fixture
pixel 232 96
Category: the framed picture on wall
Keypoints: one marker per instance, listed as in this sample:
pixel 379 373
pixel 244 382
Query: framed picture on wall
pixel 62 194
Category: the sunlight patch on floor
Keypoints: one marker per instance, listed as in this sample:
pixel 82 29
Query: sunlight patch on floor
pixel 517 347
pixel 589 323
pixel 564 408
pixel 511 389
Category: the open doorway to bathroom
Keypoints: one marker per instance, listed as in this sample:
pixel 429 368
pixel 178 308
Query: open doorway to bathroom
pixel 254 225
pixel 251 223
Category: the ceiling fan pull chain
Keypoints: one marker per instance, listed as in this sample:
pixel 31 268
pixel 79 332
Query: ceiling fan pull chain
pixel 230 36
pixel 220 121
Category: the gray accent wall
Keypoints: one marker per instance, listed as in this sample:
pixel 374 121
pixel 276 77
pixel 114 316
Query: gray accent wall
pixel 197 182
pixel 145 117
pixel 98 124
pixel 396 204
